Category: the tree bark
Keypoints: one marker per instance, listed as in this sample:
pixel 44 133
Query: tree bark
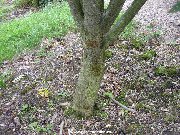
pixel 93 58
pixel 89 80
pixel 112 12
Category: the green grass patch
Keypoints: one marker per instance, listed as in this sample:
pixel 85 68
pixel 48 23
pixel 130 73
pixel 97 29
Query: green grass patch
pixel 175 8
pixel 167 71
pixel 149 54
pixel 25 33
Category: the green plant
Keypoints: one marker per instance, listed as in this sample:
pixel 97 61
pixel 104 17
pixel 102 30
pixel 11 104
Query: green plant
pixel 167 71
pixel 35 126
pixel 116 66
pixel 34 3
pixel 121 98
pixel 26 33
pixel 101 114
pixel 63 94
pixel 109 94
pixel 2 84
pixel 25 107
pixel 152 33
pixel 149 54
pixel 108 54
pixel 137 43
pixel 175 8
pixel 4 10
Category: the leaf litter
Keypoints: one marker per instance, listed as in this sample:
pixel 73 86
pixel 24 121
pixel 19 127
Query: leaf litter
pixel 41 83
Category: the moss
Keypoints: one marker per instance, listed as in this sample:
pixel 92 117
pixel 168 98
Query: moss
pixel 26 90
pixel 137 44
pixel 148 55
pixel 175 8
pixel 73 113
pixel 169 118
pixel 108 54
pixel 121 98
pixel 101 114
pixel 167 71
pixel 97 69
pixel 2 84
pixel 116 66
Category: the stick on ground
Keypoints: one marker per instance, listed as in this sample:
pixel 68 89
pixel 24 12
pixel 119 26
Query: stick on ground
pixel 61 128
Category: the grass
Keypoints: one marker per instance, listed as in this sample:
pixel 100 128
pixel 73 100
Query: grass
pixel 25 33
pixel 4 9
pixel 175 8
pixel 167 71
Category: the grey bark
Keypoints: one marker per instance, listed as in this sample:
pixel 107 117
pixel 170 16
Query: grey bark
pixel 77 11
pixel 97 31
pixel 89 81
pixel 112 12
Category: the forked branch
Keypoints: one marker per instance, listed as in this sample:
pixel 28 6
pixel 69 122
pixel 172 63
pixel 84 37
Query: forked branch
pixel 112 12
pixel 126 18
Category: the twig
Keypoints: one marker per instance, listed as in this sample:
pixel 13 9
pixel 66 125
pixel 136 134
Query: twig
pixel 69 131
pixel 123 106
pixel 61 128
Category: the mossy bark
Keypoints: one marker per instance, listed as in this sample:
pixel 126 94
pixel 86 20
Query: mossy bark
pixel 89 80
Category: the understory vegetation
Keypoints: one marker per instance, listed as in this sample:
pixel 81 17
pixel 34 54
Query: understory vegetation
pixel 24 33
pixel 176 7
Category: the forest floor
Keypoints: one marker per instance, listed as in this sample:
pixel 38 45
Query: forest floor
pixel 39 84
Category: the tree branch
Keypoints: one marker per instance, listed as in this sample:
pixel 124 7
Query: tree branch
pixel 112 12
pixel 110 95
pixel 61 128
pixel 127 17
pixel 121 105
pixel 77 11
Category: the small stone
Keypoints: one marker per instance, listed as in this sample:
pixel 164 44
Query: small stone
pixel 128 59
pixel 11 125
pixel 2 125
pixel 177 22
pixel 17 121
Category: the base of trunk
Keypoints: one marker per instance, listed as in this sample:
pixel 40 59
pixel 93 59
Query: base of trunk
pixel 89 82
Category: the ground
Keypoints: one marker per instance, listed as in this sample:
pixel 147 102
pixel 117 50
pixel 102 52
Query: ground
pixel 39 84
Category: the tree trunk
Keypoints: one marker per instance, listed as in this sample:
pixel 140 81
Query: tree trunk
pixel 89 79
pixel 98 31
